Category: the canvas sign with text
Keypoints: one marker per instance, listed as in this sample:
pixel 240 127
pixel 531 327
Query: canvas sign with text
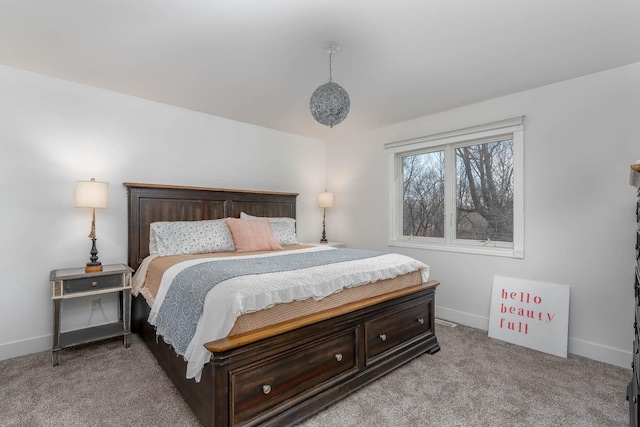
pixel 531 314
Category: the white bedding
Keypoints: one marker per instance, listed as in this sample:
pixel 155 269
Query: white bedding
pixel 231 298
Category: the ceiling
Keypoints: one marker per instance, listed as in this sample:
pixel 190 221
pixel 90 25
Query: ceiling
pixel 259 61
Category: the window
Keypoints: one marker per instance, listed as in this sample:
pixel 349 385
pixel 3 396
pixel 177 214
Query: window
pixel 460 191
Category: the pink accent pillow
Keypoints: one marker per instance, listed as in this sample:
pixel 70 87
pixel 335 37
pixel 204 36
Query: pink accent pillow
pixel 252 235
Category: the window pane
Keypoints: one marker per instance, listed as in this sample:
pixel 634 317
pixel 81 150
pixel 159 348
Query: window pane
pixel 484 191
pixel 423 195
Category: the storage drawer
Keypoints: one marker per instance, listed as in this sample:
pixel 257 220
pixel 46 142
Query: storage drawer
pixel 257 388
pixel 92 283
pixel 385 333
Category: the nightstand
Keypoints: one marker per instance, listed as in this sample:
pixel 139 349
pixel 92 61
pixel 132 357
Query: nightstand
pixel 75 283
pixel 330 244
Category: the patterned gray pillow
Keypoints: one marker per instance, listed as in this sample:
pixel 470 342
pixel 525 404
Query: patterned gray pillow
pixel 192 237
pixel 282 228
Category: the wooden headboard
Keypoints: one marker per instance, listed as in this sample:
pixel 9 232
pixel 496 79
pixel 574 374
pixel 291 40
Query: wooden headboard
pixel 152 202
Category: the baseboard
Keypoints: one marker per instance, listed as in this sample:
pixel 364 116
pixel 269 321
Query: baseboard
pixel 24 347
pixel 467 319
pixel 612 356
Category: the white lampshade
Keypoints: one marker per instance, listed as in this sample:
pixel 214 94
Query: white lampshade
pixel 92 194
pixel 325 199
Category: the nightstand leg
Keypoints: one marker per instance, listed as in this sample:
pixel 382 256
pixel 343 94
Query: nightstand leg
pixel 126 316
pixel 55 349
pixel 120 304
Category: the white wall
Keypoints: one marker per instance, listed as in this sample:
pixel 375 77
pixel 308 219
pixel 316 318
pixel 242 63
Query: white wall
pixel 581 136
pixel 54 133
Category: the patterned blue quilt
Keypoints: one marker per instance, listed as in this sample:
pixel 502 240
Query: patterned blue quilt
pixel 183 304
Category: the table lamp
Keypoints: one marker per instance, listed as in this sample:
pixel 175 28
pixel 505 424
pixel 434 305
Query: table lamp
pixel 325 200
pixel 92 194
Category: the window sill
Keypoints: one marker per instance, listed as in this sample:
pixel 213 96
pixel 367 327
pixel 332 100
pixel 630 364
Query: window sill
pixel 476 250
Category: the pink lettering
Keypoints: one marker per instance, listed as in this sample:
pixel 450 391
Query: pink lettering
pixel 519 327
pixel 524 297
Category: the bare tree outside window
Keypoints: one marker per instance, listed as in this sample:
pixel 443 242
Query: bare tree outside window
pixel 423 194
pixel 484 192
pixel 484 196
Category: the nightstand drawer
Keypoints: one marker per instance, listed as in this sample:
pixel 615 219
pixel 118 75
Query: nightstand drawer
pixel 88 284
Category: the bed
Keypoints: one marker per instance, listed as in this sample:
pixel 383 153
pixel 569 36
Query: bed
pixel 283 372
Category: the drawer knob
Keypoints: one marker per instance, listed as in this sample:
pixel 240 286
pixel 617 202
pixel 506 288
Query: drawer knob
pixel 339 357
pixel 266 389
pixel 635 400
pixel 421 321
pixel 383 337
pixel 94 284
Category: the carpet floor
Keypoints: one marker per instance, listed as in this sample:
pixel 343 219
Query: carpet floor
pixel 473 380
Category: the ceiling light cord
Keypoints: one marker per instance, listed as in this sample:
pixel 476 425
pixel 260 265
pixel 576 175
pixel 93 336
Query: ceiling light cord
pixel 330 66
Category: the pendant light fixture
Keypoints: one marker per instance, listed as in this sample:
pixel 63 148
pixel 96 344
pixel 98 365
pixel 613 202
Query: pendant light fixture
pixel 330 102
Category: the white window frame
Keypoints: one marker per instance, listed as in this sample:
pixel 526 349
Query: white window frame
pixel 448 141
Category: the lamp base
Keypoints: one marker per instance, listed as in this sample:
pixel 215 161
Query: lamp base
pixel 93 268
pixel 323 239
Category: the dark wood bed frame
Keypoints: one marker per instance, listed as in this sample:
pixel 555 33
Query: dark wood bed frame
pixel 284 373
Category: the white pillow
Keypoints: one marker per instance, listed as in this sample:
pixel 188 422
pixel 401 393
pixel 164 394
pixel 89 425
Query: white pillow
pixel 282 228
pixel 191 237
pixel 153 244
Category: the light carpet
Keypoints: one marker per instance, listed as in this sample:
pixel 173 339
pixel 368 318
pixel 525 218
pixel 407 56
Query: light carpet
pixel 473 380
